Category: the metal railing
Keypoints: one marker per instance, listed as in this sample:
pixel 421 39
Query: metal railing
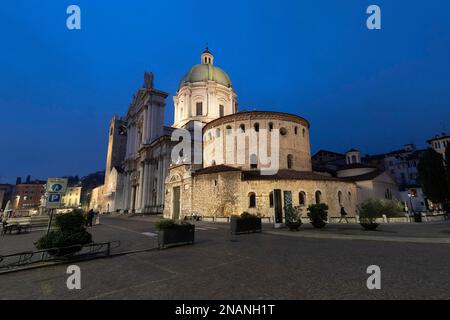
pixel 76 252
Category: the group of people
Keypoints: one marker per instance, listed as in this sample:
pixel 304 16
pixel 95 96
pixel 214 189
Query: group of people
pixel 89 217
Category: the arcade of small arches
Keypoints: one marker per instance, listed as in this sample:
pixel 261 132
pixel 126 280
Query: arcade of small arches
pixel 302 199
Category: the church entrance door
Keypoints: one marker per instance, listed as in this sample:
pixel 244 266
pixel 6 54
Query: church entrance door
pixel 278 209
pixel 176 203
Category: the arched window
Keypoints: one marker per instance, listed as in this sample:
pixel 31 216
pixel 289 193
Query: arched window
pixel 270 126
pixel 304 132
pixel 318 197
pixel 217 133
pixel 302 198
pixel 340 198
pixel 221 111
pixel 199 108
pixel 229 130
pixel 251 200
pixel 253 161
pixel 213 163
pixel 271 199
pixel 295 130
pixel 242 128
pixel 256 126
pixel 388 194
pixel 290 160
pixel 283 131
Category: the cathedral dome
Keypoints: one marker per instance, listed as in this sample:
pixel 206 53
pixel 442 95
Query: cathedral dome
pixel 205 72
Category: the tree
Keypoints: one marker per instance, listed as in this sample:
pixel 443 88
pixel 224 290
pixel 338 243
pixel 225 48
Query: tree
pixel 432 176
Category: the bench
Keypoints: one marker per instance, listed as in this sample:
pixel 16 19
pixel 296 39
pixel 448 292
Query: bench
pixel 17 224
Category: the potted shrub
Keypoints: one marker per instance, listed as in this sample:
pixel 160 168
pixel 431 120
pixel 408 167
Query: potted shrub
pixel 392 208
pixel 245 223
pixel 69 237
pixel 170 233
pixel 317 214
pixel 293 218
pixel 369 211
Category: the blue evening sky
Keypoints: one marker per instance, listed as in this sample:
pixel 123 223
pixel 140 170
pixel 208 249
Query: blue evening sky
pixel 372 90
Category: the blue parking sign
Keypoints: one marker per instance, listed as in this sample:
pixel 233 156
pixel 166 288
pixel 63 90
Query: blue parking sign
pixel 54 198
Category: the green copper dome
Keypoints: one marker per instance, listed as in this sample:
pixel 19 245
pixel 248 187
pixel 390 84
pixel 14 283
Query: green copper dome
pixel 204 73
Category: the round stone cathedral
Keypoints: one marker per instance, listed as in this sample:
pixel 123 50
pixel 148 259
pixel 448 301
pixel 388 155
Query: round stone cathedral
pixel 234 177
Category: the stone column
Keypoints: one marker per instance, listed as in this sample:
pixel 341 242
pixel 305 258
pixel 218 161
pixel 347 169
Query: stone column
pixel 145 187
pixel 188 105
pixel 160 178
pixel 151 178
pixel 164 174
pixel 141 184
pixel 144 126
pixel 149 124
pixel 152 130
pixel 127 153
pixel 125 192
pixel 132 140
pixel 133 195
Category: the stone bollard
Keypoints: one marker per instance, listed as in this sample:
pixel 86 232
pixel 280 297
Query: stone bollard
pixel 424 217
pixel 385 219
pixel 357 218
pixel 408 217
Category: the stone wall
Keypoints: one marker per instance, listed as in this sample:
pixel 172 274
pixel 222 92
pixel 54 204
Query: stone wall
pixel 224 194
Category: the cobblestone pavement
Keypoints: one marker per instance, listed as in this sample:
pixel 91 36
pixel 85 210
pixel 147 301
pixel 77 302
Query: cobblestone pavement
pixel 271 265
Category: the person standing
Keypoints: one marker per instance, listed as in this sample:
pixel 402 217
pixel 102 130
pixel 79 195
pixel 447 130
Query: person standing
pixel 90 217
pixel 343 215
pixel 85 218
pixel 4 220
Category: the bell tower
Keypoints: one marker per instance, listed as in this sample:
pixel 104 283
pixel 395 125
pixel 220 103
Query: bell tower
pixel 207 57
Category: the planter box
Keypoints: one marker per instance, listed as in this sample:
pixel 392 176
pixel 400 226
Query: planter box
pixel 247 225
pixel 178 235
pixel 318 224
pixel 293 226
pixel 370 226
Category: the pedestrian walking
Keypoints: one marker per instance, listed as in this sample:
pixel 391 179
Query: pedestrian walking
pixel 90 217
pixel 4 220
pixel 97 218
pixel 343 215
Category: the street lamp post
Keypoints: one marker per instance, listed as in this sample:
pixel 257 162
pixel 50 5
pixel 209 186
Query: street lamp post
pixel 410 195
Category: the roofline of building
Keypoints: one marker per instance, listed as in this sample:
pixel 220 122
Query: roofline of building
pixel 438 138
pixel 287 116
